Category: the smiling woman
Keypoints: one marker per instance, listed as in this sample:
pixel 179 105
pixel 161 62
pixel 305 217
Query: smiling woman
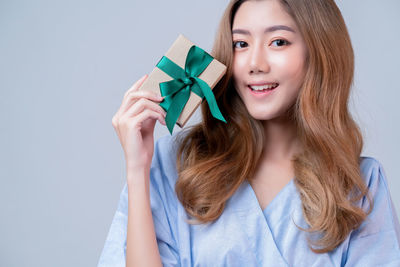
pixel 269 58
pixel 283 183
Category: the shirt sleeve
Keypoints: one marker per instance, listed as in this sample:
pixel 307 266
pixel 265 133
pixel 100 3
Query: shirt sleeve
pixel 164 210
pixel 377 241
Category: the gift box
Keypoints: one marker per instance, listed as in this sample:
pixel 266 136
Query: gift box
pixel 185 76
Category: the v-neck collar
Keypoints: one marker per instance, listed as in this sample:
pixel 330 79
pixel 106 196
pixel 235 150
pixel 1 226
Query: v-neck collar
pixel 281 205
pixel 275 200
pixel 256 226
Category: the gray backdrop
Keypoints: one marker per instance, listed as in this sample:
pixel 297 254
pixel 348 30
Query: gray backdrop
pixel 64 67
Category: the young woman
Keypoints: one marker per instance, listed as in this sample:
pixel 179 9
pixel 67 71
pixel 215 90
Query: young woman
pixel 282 183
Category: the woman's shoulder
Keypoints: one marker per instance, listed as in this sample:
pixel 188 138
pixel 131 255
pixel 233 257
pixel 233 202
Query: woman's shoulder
pixel 166 147
pixel 374 177
pixel 163 171
pixel 383 214
pixel 372 172
pixel 165 151
pixel 380 231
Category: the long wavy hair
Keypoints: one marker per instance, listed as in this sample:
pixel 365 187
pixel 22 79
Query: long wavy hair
pixel 214 158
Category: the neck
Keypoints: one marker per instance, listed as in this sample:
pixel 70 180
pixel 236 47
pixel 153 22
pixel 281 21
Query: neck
pixel 281 140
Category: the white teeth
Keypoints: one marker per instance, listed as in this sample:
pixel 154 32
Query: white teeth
pixel 263 87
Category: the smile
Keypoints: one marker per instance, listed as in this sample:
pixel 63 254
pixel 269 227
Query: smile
pixel 262 88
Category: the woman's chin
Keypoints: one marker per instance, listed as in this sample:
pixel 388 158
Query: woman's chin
pixel 261 116
pixel 265 116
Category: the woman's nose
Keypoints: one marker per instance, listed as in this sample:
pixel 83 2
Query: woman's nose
pixel 259 59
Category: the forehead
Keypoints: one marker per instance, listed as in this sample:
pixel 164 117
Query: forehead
pixel 256 15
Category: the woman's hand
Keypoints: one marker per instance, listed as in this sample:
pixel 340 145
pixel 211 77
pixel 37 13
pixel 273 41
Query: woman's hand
pixel 134 123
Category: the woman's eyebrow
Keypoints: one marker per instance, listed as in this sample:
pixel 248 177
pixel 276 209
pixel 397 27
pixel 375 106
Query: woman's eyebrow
pixel 267 30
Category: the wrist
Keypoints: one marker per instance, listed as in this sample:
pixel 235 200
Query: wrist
pixel 137 165
pixel 137 176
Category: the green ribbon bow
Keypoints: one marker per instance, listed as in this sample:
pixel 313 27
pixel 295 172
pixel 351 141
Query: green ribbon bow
pixel 177 91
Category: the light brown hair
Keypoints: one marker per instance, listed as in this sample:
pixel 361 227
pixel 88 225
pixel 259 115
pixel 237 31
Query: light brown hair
pixel 215 158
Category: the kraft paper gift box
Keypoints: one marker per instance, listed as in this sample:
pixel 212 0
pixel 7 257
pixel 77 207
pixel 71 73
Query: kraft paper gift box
pixel 191 72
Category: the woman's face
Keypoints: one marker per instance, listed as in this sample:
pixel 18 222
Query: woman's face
pixel 269 58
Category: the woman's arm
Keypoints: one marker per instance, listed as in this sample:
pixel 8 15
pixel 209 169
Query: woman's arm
pixel 141 245
pixel 134 123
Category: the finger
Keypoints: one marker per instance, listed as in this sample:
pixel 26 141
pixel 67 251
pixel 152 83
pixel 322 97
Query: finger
pixel 137 84
pixel 144 104
pixel 145 115
pixel 151 98
pixel 144 94
pixel 134 97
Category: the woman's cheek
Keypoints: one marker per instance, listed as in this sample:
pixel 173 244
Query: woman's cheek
pixel 290 66
pixel 239 70
pixel 239 63
pixel 279 60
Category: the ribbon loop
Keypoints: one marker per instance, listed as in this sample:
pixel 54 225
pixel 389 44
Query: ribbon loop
pixel 187 80
pixel 177 91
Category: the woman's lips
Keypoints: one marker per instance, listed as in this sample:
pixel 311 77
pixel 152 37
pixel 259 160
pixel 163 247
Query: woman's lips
pixel 263 85
pixel 270 87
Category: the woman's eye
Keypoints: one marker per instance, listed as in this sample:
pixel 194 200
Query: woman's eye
pixel 280 42
pixel 239 44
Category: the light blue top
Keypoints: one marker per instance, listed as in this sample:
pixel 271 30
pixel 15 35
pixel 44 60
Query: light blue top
pixel 245 235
